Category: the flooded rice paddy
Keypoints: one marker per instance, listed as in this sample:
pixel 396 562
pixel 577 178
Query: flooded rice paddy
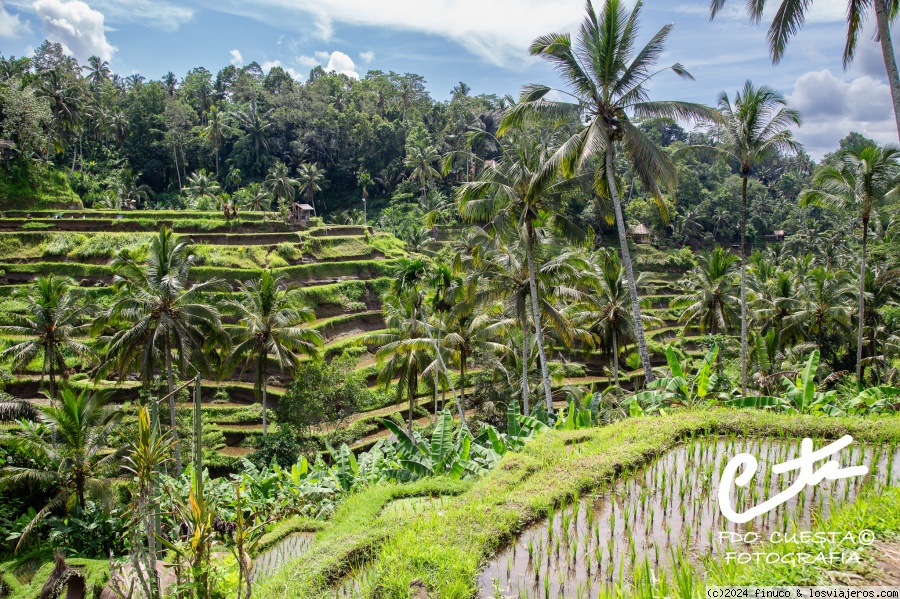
pixel 281 554
pixel 667 512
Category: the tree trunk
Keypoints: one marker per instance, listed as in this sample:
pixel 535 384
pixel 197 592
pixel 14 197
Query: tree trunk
pixel 177 172
pixel 463 359
pixel 536 312
pixel 890 62
pixel 629 271
pixel 862 301
pixel 411 386
pixel 172 422
pixel 217 161
pixel 264 368
pixel 746 177
pixel 615 357
pixel 52 374
pixel 525 390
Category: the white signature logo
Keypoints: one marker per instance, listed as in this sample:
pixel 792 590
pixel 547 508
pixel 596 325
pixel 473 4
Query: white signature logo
pixel 806 476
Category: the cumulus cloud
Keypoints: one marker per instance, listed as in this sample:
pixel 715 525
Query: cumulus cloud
pixel 340 63
pixel 76 26
pixel 307 61
pixel 11 25
pixel 236 58
pixel 269 64
pixel 367 56
pixel 832 107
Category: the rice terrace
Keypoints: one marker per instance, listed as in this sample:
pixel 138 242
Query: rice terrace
pixel 619 317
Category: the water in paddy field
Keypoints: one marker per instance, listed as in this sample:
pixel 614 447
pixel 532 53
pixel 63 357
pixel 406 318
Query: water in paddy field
pixel 668 511
pixel 281 554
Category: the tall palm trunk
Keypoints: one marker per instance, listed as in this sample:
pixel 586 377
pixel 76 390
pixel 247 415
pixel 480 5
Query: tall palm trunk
pixel 217 161
pixel 615 357
pixel 412 384
pixel 264 372
pixel 523 318
pixel 177 172
pixel 172 421
pixel 745 174
pixel 463 363
pixel 536 311
pixel 887 49
pixel 862 300
pixel 629 272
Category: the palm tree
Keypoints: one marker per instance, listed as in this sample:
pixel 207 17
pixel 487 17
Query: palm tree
pixel 882 289
pixel 708 301
pixel 214 131
pixel 515 192
pixel 257 197
pixel 256 126
pixel 201 185
pixel 404 352
pixel 791 16
pixel 421 161
pixel 858 186
pixel 270 330
pixel 129 192
pixel 605 307
pixel 66 451
pixel 98 71
pixel 165 316
pixel 52 319
pixel 281 185
pixel 822 307
pixel 475 329
pixel 608 80
pixel 310 177
pixel 753 128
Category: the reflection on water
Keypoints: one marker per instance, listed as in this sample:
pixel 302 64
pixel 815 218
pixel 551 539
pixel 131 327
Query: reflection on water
pixel 668 512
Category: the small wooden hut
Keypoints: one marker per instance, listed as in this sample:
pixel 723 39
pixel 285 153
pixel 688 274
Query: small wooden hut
pixel 301 213
pixel 641 233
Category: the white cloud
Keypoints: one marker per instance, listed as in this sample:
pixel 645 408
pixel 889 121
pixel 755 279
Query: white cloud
pixel 367 56
pixel 821 11
pixel 236 58
pixel 340 63
pixel 269 64
pixel 500 33
pixel 323 57
pixel 308 61
pixel 76 26
pixel 831 108
pixel 11 25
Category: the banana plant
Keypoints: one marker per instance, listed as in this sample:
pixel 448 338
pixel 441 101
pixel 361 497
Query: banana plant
pixel 678 389
pixel 875 400
pixel 801 396
pixel 446 453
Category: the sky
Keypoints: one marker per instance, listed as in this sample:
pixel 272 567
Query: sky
pixel 480 42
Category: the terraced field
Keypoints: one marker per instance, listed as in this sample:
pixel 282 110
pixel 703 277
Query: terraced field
pixel 341 272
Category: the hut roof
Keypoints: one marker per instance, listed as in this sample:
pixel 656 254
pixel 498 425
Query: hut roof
pixel 640 229
pixel 305 207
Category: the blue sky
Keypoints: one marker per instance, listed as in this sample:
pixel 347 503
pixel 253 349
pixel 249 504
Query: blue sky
pixel 480 42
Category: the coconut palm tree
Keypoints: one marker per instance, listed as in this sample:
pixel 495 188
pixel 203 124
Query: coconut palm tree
pixel 791 16
pixel 609 81
pixel 257 198
pixel 310 177
pixel 709 302
pixel 281 185
pixel 517 192
pixel 751 129
pixel 474 329
pixel 256 126
pixel 214 131
pixel 165 317
pixel 882 289
pixel 858 186
pixel 823 306
pixel 604 310
pixel 66 451
pixel 51 321
pixel 129 193
pixel 270 330
pixel 421 162
pixel 201 185
pixel 98 71
pixel 405 352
